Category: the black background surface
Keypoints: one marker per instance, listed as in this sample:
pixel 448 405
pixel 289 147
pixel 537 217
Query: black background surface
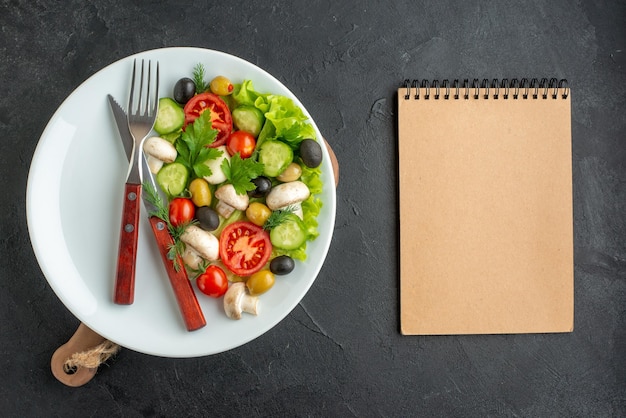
pixel 339 352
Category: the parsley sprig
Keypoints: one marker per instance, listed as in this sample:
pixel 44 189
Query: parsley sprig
pixel 241 171
pixel 193 147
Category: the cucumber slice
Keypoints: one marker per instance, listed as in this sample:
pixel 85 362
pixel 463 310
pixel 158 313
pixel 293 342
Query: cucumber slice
pixel 289 234
pixel 172 136
pixel 275 156
pixel 249 119
pixel 170 116
pixel 172 178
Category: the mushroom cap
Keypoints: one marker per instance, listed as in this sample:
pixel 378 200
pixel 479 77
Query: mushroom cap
pixel 237 300
pixel 160 149
pixel 286 194
pixel 228 195
pixel 202 242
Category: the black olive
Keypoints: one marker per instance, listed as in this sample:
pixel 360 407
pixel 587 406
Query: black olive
pixel 184 89
pixel 311 153
pixel 209 219
pixel 281 265
pixel 263 186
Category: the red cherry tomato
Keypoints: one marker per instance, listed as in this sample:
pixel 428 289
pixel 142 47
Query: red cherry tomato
pixel 181 211
pixel 221 118
pixel 212 282
pixel 244 248
pixel 241 142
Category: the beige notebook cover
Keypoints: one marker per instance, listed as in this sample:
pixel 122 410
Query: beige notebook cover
pixel 485 195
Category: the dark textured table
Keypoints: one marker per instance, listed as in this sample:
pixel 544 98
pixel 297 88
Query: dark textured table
pixel 339 352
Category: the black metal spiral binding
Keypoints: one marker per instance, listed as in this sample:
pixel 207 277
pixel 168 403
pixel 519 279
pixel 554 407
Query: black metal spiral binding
pixel 491 89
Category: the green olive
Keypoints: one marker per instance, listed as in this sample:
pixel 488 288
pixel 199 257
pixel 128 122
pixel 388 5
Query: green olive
pixel 221 86
pixel 257 213
pixel 260 282
pixel 291 173
pixel 200 192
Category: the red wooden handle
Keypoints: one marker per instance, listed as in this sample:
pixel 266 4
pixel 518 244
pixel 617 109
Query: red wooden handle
pixel 127 254
pixel 187 301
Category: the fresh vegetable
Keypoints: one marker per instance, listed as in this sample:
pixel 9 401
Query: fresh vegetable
pixel 229 200
pixel 291 173
pixel 200 192
pixel 246 164
pixel 198 78
pixel 311 153
pixel 282 265
pixel 213 282
pixel 263 185
pixel 260 282
pixel 181 211
pixel 207 218
pixel 289 234
pixel 172 178
pixel 285 120
pixel 240 173
pixel 248 118
pixel 237 300
pixel 170 116
pixel 158 151
pixel 258 213
pixel 201 243
pixel 244 248
pixel 241 142
pixel 220 115
pixel 275 157
pixel 195 146
pixel 221 86
pixel 184 89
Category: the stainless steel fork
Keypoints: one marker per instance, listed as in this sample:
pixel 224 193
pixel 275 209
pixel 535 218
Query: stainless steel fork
pixel 142 111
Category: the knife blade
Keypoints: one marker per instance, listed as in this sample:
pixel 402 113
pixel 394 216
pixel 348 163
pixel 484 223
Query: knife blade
pixel 183 291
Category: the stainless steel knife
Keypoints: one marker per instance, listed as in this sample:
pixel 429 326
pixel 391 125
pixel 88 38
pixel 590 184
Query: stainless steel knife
pixel 183 290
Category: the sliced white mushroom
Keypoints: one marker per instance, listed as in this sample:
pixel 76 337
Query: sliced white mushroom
pixel 288 195
pixel 203 243
pixel 158 152
pixel 237 300
pixel 217 175
pixel 229 200
pixel 191 258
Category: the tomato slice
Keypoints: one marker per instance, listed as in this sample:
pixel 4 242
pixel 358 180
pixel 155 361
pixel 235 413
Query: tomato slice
pixel 221 118
pixel 244 248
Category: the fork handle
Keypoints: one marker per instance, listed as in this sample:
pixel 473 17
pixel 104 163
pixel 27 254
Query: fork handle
pixel 181 285
pixel 127 254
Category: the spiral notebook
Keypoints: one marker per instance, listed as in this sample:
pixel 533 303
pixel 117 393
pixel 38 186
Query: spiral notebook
pixel 485 202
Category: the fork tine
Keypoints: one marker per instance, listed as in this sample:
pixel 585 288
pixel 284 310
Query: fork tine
pixel 147 106
pixel 155 102
pixel 140 89
pixel 132 88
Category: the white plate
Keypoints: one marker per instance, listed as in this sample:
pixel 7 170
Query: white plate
pixel 74 202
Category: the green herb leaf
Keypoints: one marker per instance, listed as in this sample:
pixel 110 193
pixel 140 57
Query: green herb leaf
pixel 241 171
pixel 277 217
pixel 193 148
pixel 198 78
pixel 153 197
pixel 161 212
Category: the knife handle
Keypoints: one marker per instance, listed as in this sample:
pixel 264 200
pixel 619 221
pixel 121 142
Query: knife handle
pixel 185 296
pixel 127 254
